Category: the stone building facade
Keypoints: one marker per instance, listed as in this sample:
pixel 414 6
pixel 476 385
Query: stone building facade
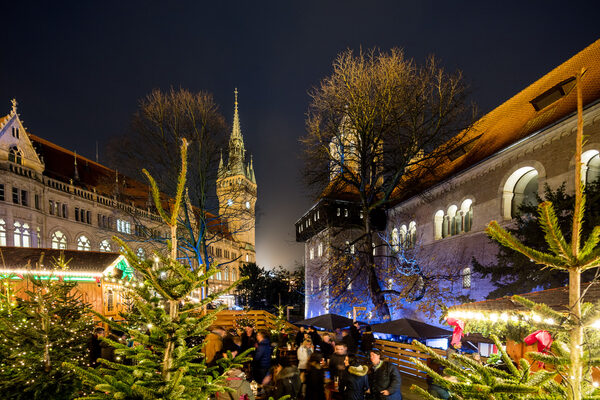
pixel 53 198
pixel 509 156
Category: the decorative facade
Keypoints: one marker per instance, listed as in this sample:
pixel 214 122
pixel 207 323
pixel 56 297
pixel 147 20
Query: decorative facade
pixel 506 159
pixel 53 198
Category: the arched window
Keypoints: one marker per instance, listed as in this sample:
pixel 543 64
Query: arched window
pixel 403 232
pixel 520 188
pixel 438 221
pixel 590 169
pixel 452 220
pixel 466 214
pixel 466 278
pixel 311 254
pixel 218 276
pixel 2 232
pixel 83 243
pixel 15 155
pixel 21 235
pixel 395 240
pixel 320 250
pixel 105 246
pixel 411 238
pixel 59 240
pixel 141 253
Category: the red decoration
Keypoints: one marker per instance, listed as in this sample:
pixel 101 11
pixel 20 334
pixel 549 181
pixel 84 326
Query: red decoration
pixel 459 326
pixel 543 340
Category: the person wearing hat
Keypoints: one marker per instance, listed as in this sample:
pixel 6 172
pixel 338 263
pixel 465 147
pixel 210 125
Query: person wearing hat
pixel 385 382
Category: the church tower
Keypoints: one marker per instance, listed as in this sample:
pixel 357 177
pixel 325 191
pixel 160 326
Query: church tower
pixel 236 188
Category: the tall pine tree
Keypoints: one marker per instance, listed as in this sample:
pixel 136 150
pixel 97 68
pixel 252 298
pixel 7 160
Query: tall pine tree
pixel 166 361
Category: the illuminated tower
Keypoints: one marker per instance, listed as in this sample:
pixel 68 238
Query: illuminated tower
pixel 236 187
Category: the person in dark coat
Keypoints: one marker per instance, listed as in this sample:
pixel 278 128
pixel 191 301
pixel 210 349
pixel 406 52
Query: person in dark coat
pixel 366 343
pixel 95 346
pixel 336 362
pixel 300 336
pixel 229 345
pixel 355 332
pixel 314 336
pixel 315 378
pixel 326 347
pixel 349 341
pixel 287 380
pixel 262 358
pixel 354 382
pixel 248 338
pixel 385 382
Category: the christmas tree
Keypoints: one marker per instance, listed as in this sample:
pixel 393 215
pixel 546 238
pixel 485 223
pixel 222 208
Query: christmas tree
pixel 47 325
pixel 568 342
pixel 165 360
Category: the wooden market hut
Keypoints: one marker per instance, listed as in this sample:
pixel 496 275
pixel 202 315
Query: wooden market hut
pixel 101 276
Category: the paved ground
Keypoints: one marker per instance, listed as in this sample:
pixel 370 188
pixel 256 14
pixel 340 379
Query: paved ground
pixel 407 381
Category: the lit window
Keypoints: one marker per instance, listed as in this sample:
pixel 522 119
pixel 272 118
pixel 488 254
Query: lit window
pixel 15 132
pixel 520 188
pixel 248 205
pixel 83 243
pixel 123 226
pixel 411 238
pixel 320 250
pixel 110 300
pixel 15 155
pixel 59 240
pixel 247 258
pixel 21 235
pixel 345 212
pixel 338 212
pixel 590 167
pixel 229 202
pixel 466 278
pixel 141 254
pixel 2 232
pixel 226 273
pixel 395 240
pixel 105 246
pixel 311 254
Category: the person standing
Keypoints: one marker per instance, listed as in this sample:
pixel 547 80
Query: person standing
pixel 300 337
pixel 248 338
pixel 287 380
pixel 354 382
pixel 349 341
pixel 262 357
pixel 314 378
pixel 326 347
pixel 304 352
pixel 236 380
pixel 336 362
pixel 366 343
pixel 213 344
pixel 385 382
pixel 355 332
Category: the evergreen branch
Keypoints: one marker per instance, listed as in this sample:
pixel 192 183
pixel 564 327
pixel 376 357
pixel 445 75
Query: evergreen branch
pixel 496 232
pixel 553 233
pixel 156 196
pixel 180 183
pixel 591 242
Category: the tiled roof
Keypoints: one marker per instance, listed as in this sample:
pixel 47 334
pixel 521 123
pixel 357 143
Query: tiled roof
pixel 517 117
pixel 557 299
pixel 89 261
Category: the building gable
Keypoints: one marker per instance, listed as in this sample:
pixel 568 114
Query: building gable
pixel 15 144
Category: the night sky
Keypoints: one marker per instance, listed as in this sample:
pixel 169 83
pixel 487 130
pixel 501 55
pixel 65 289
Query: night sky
pixel 78 70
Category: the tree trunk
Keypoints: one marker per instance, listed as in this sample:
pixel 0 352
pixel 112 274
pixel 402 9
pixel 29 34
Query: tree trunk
pixel 576 333
pixel 173 312
pixel 377 297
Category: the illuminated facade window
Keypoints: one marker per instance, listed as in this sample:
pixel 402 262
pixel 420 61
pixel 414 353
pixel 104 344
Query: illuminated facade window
pixel 466 278
pixel 311 254
pixel 141 253
pixel 83 243
pixel 15 155
pixel 123 226
pixel 520 188
pixel 2 232
pixel 59 240
pixel 320 250
pixel 21 235
pixel 105 246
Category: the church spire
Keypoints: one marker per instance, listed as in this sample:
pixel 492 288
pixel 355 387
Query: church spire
pixel 237 151
pixel 76 172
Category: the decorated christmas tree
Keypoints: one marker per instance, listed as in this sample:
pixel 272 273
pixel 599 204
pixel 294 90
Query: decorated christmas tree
pixel 568 342
pixel 165 359
pixel 45 326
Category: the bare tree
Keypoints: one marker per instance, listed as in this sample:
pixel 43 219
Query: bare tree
pixel 163 119
pixel 378 128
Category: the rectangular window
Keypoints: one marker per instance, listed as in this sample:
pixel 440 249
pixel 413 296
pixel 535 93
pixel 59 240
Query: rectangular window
pixel 76 213
pixel 51 207
pixel 15 193
pixel 88 217
pixel 64 211
pixel 37 201
pixel 24 198
pixel 2 192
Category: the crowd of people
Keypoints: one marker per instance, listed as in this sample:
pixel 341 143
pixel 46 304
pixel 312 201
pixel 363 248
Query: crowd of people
pixel 345 361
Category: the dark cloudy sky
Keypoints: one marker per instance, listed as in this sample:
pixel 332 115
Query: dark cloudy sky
pixel 78 69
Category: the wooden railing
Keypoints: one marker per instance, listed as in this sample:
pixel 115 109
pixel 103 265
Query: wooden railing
pixel 262 319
